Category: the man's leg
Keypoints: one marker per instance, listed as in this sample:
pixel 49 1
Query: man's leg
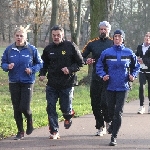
pixel 66 97
pixel 148 81
pixel 121 96
pixel 142 82
pixel 95 94
pixel 105 107
pixel 111 102
pixel 52 97
pixel 96 89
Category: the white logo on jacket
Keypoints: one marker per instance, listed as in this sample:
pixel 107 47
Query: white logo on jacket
pixel 26 55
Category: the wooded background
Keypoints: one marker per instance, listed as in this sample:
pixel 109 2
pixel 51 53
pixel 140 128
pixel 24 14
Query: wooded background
pixel 80 19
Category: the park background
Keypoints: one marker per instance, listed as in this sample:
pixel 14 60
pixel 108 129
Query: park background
pixel 80 19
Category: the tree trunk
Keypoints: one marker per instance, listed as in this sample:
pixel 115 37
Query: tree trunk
pixel 77 35
pixel 72 19
pixel 75 26
pixel 54 16
pixel 85 28
pixel 35 35
pixel 98 12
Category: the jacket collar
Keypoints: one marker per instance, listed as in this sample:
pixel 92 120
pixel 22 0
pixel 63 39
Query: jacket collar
pixel 119 47
pixel 15 47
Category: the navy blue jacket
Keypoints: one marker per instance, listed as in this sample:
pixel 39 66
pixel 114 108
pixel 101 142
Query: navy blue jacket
pixel 120 62
pixel 27 57
pixel 56 57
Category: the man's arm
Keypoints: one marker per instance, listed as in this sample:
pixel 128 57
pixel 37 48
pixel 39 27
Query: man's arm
pixel 43 71
pixel 100 66
pixel 134 67
pixel 146 58
pixel 139 54
pixel 85 53
pixel 78 60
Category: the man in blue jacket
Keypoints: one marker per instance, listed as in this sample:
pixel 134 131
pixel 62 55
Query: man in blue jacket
pixel 117 66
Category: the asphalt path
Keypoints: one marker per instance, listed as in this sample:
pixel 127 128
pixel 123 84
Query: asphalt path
pixel 134 134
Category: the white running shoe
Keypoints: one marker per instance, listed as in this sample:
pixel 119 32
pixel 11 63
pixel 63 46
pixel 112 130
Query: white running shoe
pixel 148 109
pixel 104 130
pixel 100 132
pixel 107 125
pixel 54 136
pixel 141 110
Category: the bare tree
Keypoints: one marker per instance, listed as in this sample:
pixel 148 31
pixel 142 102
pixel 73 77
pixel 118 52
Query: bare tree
pixel 100 10
pixel 133 17
pixel 27 12
pixel 75 20
pixel 85 28
pixel 39 14
pixel 5 17
pixel 54 15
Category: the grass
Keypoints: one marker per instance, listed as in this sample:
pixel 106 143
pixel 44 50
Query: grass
pixel 81 102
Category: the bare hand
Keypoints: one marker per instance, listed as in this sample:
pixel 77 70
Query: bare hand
pixel 106 77
pixel 28 71
pixel 65 70
pixel 90 61
pixel 131 78
pixel 11 65
pixel 41 78
pixel 140 60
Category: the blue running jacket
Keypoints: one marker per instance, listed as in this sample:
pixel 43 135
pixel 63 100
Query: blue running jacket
pixel 27 57
pixel 118 62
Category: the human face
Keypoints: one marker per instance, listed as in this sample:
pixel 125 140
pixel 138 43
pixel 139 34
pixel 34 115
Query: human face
pixel 20 38
pixel 147 39
pixel 57 36
pixel 103 31
pixel 118 39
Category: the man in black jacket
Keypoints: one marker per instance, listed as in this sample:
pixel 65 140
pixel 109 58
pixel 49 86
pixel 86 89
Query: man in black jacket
pixel 144 75
pixel 98 86
pixel 61 60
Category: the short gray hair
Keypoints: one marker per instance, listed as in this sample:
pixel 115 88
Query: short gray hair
pixel 106 24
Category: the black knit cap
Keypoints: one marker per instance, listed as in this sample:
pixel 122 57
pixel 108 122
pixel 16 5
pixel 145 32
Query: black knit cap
pixel 121 32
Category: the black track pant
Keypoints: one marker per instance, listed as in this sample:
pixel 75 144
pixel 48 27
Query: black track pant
pixel 143 77
pixel 116 100
pixel 98 102
pixel 21 95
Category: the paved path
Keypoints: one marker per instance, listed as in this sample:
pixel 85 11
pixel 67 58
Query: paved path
pixel 133 135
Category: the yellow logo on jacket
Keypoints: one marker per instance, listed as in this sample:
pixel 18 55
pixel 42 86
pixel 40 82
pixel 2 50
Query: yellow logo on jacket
pixel 63 52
